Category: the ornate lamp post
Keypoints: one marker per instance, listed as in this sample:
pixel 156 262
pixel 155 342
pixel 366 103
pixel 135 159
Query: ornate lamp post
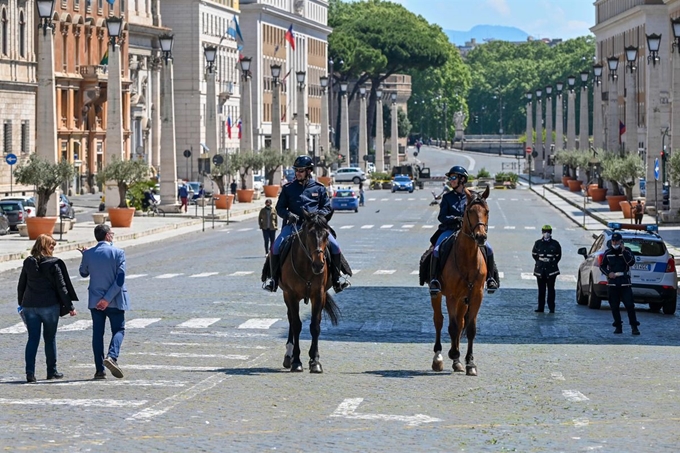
pixel 301 112
pixel 394 136
pixel 246 107
pixel 598 134
pixel 168 158
pixel 344 126
pixel 210 53
pixel 276 108
pixel 571 114
pixel 538 162
pixel 325 132
pixel 379 132
pixel 613 117
pixel 114 111
pixel 363 130
pixel 530 127
pixel 631 100
pixel 548 123
pixel 675 106
pixel 654 107
pixel 583 113
pixel 559 117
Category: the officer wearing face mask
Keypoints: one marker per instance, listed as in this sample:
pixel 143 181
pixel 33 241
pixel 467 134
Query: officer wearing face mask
pixel 616 264
pixel 547 254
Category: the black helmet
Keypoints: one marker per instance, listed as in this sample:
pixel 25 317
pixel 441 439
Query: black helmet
pixel 458 170
pixel 303 162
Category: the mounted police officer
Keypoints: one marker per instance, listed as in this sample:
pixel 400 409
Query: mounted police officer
pixel 451 211
pixel 303 194
pixel 547 253
pixel 616 265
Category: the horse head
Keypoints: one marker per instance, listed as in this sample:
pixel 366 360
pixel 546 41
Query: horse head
pixel 315 239
pixel 476 216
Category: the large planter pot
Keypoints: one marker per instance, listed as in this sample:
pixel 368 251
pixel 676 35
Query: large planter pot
pixel 597 194
pixel 574 185
pixel 614 201
pixel 40 225
pixel 325 180
pixel 565 180
pixel 627 208
pixel 121 217
pixel 223 201
pixel 271 191
pixel 245 195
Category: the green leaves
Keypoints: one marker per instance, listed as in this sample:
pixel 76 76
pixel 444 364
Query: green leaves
pixel 125 173
pixel 45 176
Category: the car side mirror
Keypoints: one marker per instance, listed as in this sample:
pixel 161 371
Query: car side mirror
pixel 583 252
pixel 70 203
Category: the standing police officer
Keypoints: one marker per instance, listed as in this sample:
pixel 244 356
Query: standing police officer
pixel 547 254
pixel 616 266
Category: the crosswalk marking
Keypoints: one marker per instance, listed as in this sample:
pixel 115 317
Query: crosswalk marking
pixel 507 227
pixel 78 325
pixel 72 402
pixel 501 275
pixel 384 199
pixel 204 274
pixel 346 227
pixel 165 276
pixel 407 226
pixel 386 226
pixel 140 323
pixel 134 276
pixel 240 273
pixel 529 227
pixel 258 323
pixel 411 199
pixel 367 227
pixel 244 229
pixel 397 199
pixel 428 227
pixel 198 323
pixel 384 272
pixel 574 396
pixel 491 227
pixel 188 355
pixel 415 272
pixel 16 328
pixel 528 276
pixel 371 199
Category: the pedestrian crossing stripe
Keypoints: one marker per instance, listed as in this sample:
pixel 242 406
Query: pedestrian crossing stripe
pixel 240 273
pixel 134 276
pixel 367 227
pixel 204 274
pixel 507 227
pixel 371 199
pixel 244 229
pixel 263 323
pixel 384 199
pixel 428 227
pixel 140 323
pixel 165 276
pixel 528 276
pixel 346 227
pixel 386 226
pixel 384 272
pixel 529 227
pixel 82 324
pixel 198 323
pixel 407 226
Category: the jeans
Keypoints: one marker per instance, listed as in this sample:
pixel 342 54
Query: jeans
pixel 288 230
pixel 36 318
pixel 269 238
pixel 117 322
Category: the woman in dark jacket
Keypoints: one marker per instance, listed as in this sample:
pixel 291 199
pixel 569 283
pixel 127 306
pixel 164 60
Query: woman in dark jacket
pixel 44 287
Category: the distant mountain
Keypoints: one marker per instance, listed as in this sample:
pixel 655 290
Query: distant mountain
pixel 482 32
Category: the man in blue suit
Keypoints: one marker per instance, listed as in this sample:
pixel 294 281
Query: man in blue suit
pixel 107 298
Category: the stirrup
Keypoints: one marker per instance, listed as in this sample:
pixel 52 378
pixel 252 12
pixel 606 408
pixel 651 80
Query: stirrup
pixel 339 286
pixel 491 286
pixel 270 286
pixel 435 287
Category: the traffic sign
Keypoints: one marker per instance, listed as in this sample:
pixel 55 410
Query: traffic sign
pixel 187 153
pixel 217 159
pixel 656 168
pixel 528 149
pixel 534 154
pixel 11 159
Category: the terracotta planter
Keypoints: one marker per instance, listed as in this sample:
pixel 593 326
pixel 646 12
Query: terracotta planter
pixel 223 201
pixel 614 201
pixel 565 180
pixel 598 194
pixel 245 195
pixel 40 225
pixel 627 208
pixel 574 185
pixel 325 180
pixel 271 191
pixel 121 217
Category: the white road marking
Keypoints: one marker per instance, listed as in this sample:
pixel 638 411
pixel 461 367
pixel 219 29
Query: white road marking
pixel 411 199
pixel 491 227
pixel 385 272
pixel 528 276
pixel 219 334
pixel 198 323
pixel 415 272
pixel 407 226
pixel 423 199
pixel 244 229
pixel 567 278
pixel 574 396
pixel 240 273
pixel 134 276
pixel 158 367
pixel 124 383
pixel 347 409
pixel 557 376
pixel 386 226
pixel 501 275
pixel 514 199
pixel 355 271
pixel 140 323
pixel 187 355
pixel 258 323
pixel 346 227
pixel 367 227
pixel 168 275
pixel 78 325
pixel 371 199
pixel 508 227
pixel 529 228
pixel 428 227
pixel 203 274
pixel 73 402
pixel 384 199
pixel 397 199
pixel 501 199
pixel 16 328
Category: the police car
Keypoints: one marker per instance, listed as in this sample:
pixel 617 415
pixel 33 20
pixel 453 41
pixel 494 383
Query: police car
pixel 653 276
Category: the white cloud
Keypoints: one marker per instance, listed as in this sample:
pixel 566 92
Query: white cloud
pixel 501 6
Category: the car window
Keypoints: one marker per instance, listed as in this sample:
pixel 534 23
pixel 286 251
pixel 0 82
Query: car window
pixel 258 178
pixel 402 178
pixel 597 245
pixel 643 247
pixel 9 207
pixel 343 193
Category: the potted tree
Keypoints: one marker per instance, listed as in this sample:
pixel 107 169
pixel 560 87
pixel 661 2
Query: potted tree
pixel 218 174
pixel 46 177
pixel 245 162
pixel 622 172
pixel 596 190
pixel 124 173
pixel 273 161
pixel 568 160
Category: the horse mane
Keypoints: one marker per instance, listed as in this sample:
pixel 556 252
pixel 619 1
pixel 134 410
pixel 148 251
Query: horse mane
pixel 316 220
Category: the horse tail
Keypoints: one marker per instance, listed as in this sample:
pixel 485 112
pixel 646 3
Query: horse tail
pixel 331 309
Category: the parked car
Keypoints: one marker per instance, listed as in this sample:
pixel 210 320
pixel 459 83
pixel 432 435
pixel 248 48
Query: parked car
pixel 349 174
pixel 27 202
pixel 65 206
pixel 258 183
pixel 402 182
pixel 4 223
pixel 15 213
pixel 345 200
pixel 653 276
pixel 194 188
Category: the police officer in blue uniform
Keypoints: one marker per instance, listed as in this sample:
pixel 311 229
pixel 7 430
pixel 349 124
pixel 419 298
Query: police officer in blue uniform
pixel 303 194
pixel 616 265
pixel 451 211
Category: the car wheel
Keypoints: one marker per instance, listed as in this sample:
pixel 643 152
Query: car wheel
pixel 670 304
pixel 594 302
pixel 581 299
pixel 393 190
pixel 655 306
pixel 356 210
pixel 356 180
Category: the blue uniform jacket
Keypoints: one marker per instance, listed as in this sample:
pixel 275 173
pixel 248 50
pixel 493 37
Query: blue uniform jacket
pixel 105 265
pixel 451 210
pixel 617 261
pixel 297 198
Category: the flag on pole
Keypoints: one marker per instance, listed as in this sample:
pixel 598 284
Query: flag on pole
pixel 622 130
pixel 286 76
pixel 238 29
pixel 111 2
pixel 290 37
pixel 105 59
pixel 239 128
pixel 229 126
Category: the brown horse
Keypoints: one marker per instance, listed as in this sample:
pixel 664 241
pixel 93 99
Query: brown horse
pixel 306 275
pixel 462 279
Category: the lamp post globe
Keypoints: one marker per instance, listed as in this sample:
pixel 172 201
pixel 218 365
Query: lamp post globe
pixel 584 77
pixel 529 95
pixel 653 44
pixel 362 91
pixel 344 86
pixel 560 87
pixel 548 90
pixel 114 25
pixel 675 25
pixel 301 76
pixel 245 65
pixel 379 93
pixel 276 72
pixel 323 81
pixel 539 93
pixel 393 96
pixel 166 42
pixel 571 81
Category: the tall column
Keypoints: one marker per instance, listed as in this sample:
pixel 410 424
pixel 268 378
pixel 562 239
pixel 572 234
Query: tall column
pixel 379 135
pixel 675 122
pixel 559 123
pixel 246 143
pixel 598 128
pixel 168 152
pixel 571 120
pixel 211 110
pixel 653 140
pixel 344 129
pixel 530 123
pixel 46 108
pixel 548 130
pixel 583 121
pixel 114 121
pixel 325 142
pixel 631 113
pixel 276 145
pixel 363 134
pixel 613 116
pixel 538 162
pixel 156 116
pixel 302 118
pixel 394 135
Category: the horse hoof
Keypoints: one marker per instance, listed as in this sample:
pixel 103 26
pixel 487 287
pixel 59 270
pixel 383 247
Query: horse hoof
pixel 471 370
pixel 286 361
pixel 315 368
pixel 438 363
pixel 296 368
pixel 458 367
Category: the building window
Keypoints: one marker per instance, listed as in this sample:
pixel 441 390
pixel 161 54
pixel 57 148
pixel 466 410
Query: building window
pixel 4 31
pixel 100 5
pixel 76 4
pixel 25 137
pixel 22 35
pixel 7 136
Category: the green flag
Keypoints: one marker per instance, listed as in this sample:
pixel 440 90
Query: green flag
pixel 105 59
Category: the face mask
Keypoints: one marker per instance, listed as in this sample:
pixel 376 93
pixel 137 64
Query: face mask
pixel 616 247
pixel 546 236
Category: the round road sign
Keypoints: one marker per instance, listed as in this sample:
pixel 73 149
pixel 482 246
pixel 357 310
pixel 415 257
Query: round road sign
pixel 187 153
pixel 528 149
pixel 217 159
pixel 11 159
pixel 534 154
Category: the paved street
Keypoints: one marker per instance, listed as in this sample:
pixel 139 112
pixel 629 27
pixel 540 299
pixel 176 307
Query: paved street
pixel 204 347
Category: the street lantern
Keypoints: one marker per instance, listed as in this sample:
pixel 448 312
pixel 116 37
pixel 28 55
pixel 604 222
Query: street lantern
pixel 166 42
pixel 631 57
pixel 245 65
pixel 362 91
pixel 379 93
pixel 584 78
pixel 210 53
pixel 276 73
pixel 301 76
pixel 529 95
pixel 45 11
pixel 675 23
pixel 539 93
pixel 323 80
pixel 343 86
pixel 114 25
pixel 653 44
pixel 560 87
pixel 613 64
pixel 548 90
pixel 393 96
pixel 571 81
pixel 597 71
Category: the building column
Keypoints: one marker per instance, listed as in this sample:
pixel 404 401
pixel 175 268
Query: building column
pixel 302 119
pixel 168 153
pixel 246 116
pixel 598 129
pixel 363 134
pixel 583 142
pixel 571 120
pixel 156 116
pixel 325 142
pixel 114 122
pixel 211 111
pixel 548 135
pixel 559 123
pixel 538 162
pixel 379 137
pixel 631 114
pixel 530 124
pixel 276 124
pixel 613 117
pixel 344 129
pixel 394 136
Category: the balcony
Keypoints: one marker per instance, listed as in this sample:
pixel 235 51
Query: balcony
pixel 94 72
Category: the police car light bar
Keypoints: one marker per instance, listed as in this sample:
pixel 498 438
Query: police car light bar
pixel 630 226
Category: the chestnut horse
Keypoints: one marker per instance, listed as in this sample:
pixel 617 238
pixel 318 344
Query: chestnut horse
pixel 306 275
pixel 462 280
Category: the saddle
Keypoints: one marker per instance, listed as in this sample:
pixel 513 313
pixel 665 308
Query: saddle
pixel 444 251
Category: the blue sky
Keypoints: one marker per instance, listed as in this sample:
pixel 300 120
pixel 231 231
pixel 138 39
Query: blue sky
pixel 564 19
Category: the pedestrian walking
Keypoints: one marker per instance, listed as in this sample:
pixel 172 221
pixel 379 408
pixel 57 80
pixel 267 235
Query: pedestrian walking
pixel 547 253
pixel 616 265
pixel 107 298
pixel 183 194
pixel 233 186
pixel 44 287
pixel 268 224
pixel 638 211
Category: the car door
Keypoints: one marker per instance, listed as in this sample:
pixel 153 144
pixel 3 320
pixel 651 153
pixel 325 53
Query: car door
pixel 590 267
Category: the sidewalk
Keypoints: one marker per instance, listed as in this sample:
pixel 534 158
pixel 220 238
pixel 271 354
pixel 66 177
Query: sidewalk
pixel 13 248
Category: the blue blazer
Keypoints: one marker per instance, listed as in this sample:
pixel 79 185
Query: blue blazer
pixel 105 265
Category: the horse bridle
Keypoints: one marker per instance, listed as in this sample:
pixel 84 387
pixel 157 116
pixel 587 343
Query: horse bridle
pixel 475 200
pixel 306 251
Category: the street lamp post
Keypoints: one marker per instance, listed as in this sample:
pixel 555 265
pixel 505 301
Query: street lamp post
pixel 548 124
pixel 325 126
pixel 598 133
pixel 363 130
pixel 379 132
pixel 344 127
pixel 530 120
pixel 571 114
pixel 583 142
pixel 168 159
pixel 276 108
pixel 446 126
pixel 301 112
pixel 675 106
pixel 394 134
pixel 46 107
pixel 654 108
pixel 334 126
pixel 538 162
pixel 613 96
pixel 246 107
pixel 499 96
pixel 210 53
pixel 114 111
pixel 631 100
pixel 559 117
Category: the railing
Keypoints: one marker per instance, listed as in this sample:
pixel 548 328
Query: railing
pixel 606 9
pixel 93 71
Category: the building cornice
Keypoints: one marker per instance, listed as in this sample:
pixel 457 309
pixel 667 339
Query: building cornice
pixel 150 30
pixel 638 12
pixel 286 16
pixel 218 6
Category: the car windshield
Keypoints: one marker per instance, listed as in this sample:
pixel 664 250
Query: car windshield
pixel 343 193
pixel 194 186
pixel 258 178
pixel 402 179
pixel 642 247
pixel 10 207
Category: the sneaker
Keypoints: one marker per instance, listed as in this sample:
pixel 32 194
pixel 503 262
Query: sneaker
pixel 618 330
pixel 113 367
pixel 636 331
pixel 100 375
pixel 56 375
pixel 30 379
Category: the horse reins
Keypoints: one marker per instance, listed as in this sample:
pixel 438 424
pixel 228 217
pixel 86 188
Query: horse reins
pixel 471 235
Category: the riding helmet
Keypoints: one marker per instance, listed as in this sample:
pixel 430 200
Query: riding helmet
pixel 303 162
pixel 458 170
pixel 546 229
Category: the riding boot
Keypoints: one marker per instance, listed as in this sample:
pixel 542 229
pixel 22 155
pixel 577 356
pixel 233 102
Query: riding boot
pixel 272 285
pixel 492 278
pixel 336 266
pixel 435 286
